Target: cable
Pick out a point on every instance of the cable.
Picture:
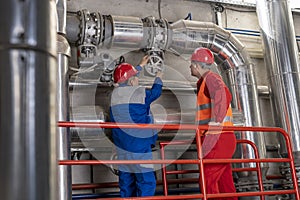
(159, 13)
(240, 33)
(242, 30)
(85, 70)
(188, 17)
(238, 10)
(249, 32)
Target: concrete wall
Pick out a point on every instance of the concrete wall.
(172, 10)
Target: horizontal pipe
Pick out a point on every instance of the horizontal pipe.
(85, 186)
(188, 190)
(168, 126)
(182, 171)
(197, 171)
(272, 177)
(244, 169)
(115, 184)
(95, 196)
(169, 161)
(200, 196)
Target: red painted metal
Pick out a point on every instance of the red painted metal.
(272, 177)
(165, 172)
(200, 161)
(182, 171)
(258, 168)
(185, 161)
(83, 186)
(198, 196)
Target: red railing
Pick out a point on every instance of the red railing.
(200, 161)
(165, 172)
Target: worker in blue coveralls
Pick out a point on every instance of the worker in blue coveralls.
(130, 103)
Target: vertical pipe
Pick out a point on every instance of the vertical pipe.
(234, 62)
(276, 23)
(62, 114)
(62, 100)
(27, 100)
(61, 7)
(246, 100)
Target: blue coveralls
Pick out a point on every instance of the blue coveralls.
(131, 104)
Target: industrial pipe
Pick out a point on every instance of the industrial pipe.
(180, 37)
(62, 112)
(64, 182)
(282, 61)
(237, 72)
(27, 100)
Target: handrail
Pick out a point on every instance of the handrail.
(257, 166)
(162, 154)
(182, 142)
(200, 161)
(84, 186)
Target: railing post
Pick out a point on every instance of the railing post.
(202, 185)
(164, 172)
(292, 164)
(200, 161)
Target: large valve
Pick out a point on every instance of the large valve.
(156, 62)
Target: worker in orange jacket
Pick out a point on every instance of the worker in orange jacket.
(213, 108)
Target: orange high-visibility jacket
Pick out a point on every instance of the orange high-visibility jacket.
(205, 107)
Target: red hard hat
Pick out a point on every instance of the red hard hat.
(203, 55)
(123, 72)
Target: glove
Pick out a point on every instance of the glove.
(214, 130)
(214, 124)
(159, 74)
(144, 61)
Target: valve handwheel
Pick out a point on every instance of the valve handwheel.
(155, 63)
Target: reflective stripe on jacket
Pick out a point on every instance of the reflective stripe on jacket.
(205, 107)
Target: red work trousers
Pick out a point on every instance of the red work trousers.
(218, 177)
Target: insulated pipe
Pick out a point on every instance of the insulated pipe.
(64, 179)
(72, 28)
(63, 113)
(61, 7)
(181, 37)
(282, 61)
(127, 32)
(109, 31)
(233, 61)
(27, 100)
